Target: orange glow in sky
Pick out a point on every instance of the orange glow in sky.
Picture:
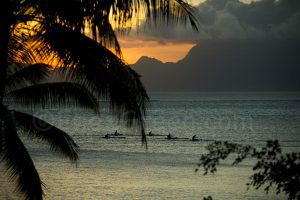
(167, 52)
(133, 48)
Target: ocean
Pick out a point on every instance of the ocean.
(121, 168)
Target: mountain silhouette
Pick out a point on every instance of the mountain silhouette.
(227, 65)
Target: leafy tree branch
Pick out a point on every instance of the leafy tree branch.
(273, 168)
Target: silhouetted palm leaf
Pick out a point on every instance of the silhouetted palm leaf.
(24, 75)
(95, 15)
(62, 93)
(59, 32)
(18, 46)
(101, 71)
(170, 11)
(18, 161)
(58, 140)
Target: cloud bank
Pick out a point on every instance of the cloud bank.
(265, 18)
(232, 19)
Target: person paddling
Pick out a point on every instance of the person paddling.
(194, 138)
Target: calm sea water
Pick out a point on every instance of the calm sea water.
(124, 169)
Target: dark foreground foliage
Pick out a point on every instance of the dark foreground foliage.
(274, 169)
(77, 36)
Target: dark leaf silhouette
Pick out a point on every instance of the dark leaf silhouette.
(63, 93)
(58, 140)
(74, 35)
(20, 75)
(273, 168)
(17, 159)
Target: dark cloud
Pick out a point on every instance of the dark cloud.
(263, 14)
(265, 18)
(232, 19)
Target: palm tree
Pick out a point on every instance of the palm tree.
(33, 32)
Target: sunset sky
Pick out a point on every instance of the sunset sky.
(163, 48)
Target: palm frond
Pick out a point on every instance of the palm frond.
(103, 32)
(185, 11)
(61, 93)
(124, 12)
(154, 11)
(62, 36)
(102, 71)
(97, 17)
(127, 95)
(17, 160)
(58, 140)
(18, 46)
(25, 11)
(66, 45)
(25, 75)
(67, 12)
